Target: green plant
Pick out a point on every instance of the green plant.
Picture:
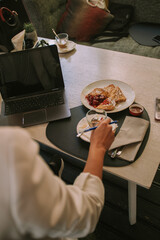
(28, 27)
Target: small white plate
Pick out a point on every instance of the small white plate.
(83, 124)
(126, 89)
(70, 46)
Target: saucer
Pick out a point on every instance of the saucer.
(70, 46)
(83, 124)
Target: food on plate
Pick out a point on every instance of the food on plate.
(108, 104)
(109, 88)
(97, 96)
(106, 98)
(117, 95)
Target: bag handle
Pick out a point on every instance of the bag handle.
(8, 16)
(92, 4)
(98, 3)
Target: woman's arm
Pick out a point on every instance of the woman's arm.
(101, 139)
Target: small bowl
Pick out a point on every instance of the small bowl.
(136, 109)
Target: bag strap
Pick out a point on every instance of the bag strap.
(115, 37)
(3, 49)
(9, 17)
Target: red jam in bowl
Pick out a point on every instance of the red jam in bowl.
(136, 109)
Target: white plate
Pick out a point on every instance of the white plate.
(83, 124)
(70, 46)
(126, 89)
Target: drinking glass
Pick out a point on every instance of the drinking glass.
(94, 117)
(62, 39)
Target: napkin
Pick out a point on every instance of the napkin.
(130, 137)
(18, 40)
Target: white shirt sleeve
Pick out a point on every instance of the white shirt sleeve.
(41, 203)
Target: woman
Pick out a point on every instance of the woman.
(35, 203)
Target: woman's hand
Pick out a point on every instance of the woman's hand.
(103, 136)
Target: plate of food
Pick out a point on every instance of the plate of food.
(109, 95)
(83, 124)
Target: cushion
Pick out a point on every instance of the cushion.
(82, 21)
(45, 15)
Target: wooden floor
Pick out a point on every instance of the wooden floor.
(113, 223)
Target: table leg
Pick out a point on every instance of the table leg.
(132, 202)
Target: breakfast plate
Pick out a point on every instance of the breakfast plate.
(83, 124)
(126, 89)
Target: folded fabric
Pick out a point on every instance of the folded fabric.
(130, 137)
(18, 40)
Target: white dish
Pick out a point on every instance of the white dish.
(126, 89)
(83, 124)
(70, 46)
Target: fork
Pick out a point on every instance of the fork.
(117, 152)
(85, 130)
(92, 128)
